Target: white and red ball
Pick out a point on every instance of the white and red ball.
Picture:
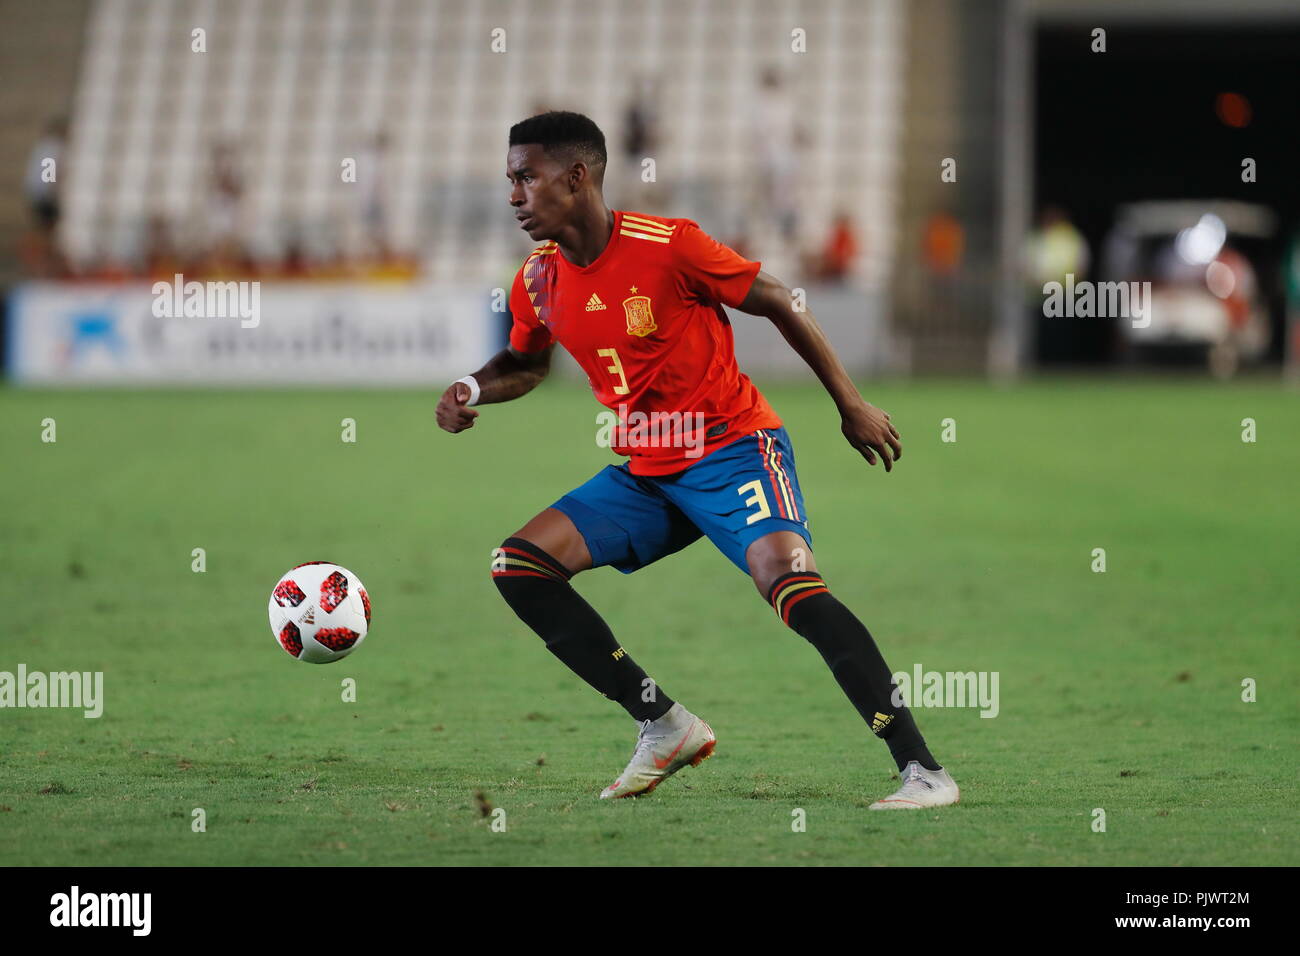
(320, 612)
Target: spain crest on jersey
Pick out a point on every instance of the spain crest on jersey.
(640, 320)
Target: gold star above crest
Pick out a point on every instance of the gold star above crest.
(633, 288)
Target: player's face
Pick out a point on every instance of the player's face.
(540, 191)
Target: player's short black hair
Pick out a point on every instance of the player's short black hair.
(567, 136)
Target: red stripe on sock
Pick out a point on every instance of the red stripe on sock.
(516, 574)
(789, 605)
(529, 556)
(783, 583)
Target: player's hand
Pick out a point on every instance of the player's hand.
(453, 414)
(868, 430)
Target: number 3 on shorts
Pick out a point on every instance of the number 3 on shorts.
(757, 498)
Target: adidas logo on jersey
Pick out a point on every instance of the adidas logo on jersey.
(594, 304)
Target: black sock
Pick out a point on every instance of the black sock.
(804, 604)
(537, 588)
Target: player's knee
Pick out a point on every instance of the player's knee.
(763, 574)
(774, 556)
(763, 578)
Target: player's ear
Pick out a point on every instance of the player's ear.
(578, 174)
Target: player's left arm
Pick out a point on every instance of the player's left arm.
(866, 427)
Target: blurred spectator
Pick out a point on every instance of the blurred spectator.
(834, 261)
(641, 121)
(1232, 278)
(162, 260)
(1056, 249)
(943, 244)
(225, 199)
(640, 141)
(776, 137)
(42, 182)
(372, 180)
(296, 263)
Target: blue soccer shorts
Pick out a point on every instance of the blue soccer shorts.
(734, 496)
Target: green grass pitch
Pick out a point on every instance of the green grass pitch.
(1119, 690)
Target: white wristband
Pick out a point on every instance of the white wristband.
(474, 392)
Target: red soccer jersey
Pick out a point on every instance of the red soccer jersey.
(645, 322)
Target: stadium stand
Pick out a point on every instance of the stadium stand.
(286, 91)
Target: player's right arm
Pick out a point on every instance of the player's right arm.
(508, 375)
(514, 371)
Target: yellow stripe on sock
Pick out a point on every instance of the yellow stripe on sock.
(790, 589)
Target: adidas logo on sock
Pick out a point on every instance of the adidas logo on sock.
(594, 304)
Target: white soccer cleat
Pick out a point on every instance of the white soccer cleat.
(921, 788)
(664, 746)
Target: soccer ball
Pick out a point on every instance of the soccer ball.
(319, 612)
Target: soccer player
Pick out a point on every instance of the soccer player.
(637, 301)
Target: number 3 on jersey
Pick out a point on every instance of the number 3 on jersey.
(757, 498)
(615, 368)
